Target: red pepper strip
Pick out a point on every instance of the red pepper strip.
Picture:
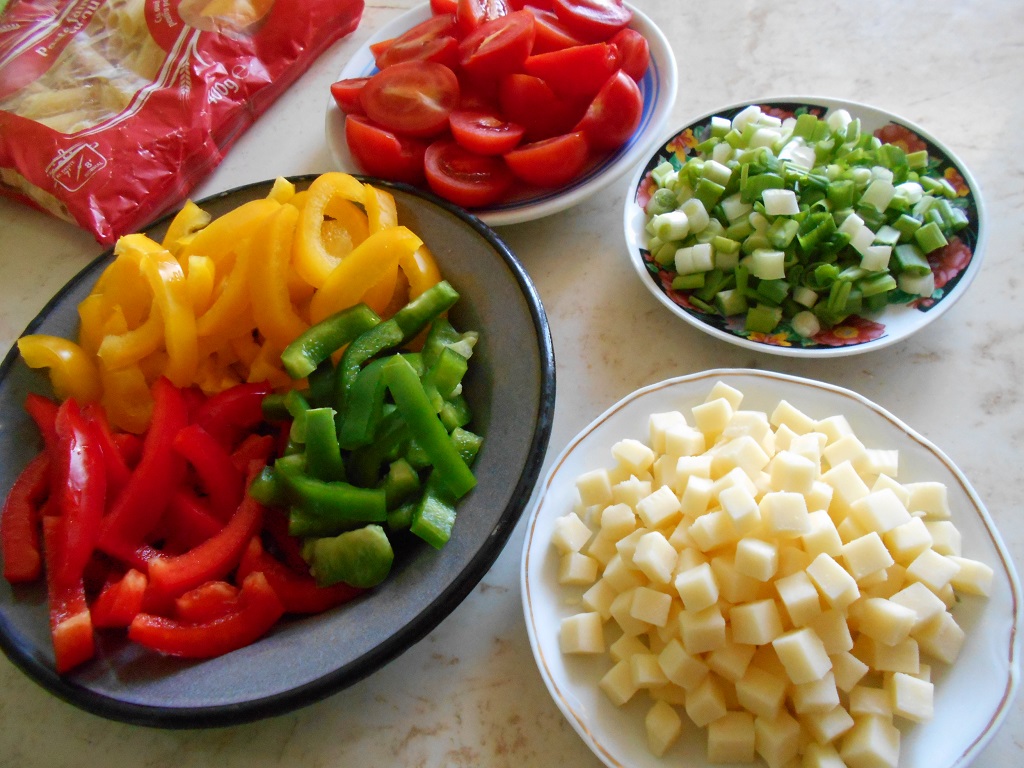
(238, 407)
(130, 447)
(117, 468)
(213, 559)
(132, 555)
(188, 521)
(298, 593)
(259, 609)
(43, 412)
(252, 448)
(218, 476)
(206, 602)
(82, 497)
(20, 520)
(275, 523)
(120, 600)
(139, 507)
(70, 620)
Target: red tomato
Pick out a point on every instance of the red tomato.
(470, 14)
(550, 162)
(634, 52)
(435, 39)
(593, 20)
(441, 7)
(484, 133)
(497, 47)
(463, 177)
(531, 102)
(413, 98)
(614, 113)
(380, 152)
(518, 5)
(551, 34)
(577, 71)
(346, 94)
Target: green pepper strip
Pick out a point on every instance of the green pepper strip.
(332, 500)
(414, 405)
(364, 407)
(323, 454)
(320, 341)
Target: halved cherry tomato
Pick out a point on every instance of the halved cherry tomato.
(470, 14)
(413, 98)
(346, 94)
(435, 39)
(498, 46)
(379, 152)
(484, 132)
(614, 113)
(593, 20)
(577, 71)
(531, 103)
(550, 162)
(634, 52)
(518, 5)
(463, 177)
(551, 33)
(440, 7)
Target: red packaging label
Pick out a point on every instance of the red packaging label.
(112, 110)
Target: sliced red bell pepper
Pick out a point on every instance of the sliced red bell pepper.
(70, 619)
(299, 593)
(275, 523)
(227, 414)
(130, 447)
(120, 600)
(43, 412)
(138, 508)
(218, 476)
(118, 470)
(20, 521)
(259, 608)
(213, 559)
(206, 602)
(82, 497)
(252, 448)
(188, 521)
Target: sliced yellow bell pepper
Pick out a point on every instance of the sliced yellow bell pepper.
(128, 348)
(381, 211)
(282, 190)
(220, 237)
(361, 270)
(231, 305)
(272, 306)
(170, 292)
(72, 371)
(186, 223)
(200, 275)
(127, 399)
(311, 258)
(420, 270)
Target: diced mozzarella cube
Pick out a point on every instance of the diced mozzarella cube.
(911, 697)
(731, 738)
(872, 742)
(634, 456)
(631, 490)
(626, 646)
(645, 670)
(833, 628)
(655, 557)
(570, 534)
(833, 581)
(822, 536)
(617, 521)
(755, 623)
(946, 538)
(908, 540)
(799, 597)
(880, 511)
(702, 631)
(617, 683)
(802, 654)
(684, 440)
(866, 555)
(697, 587)
(792, 472)
(663, 726)
(818, 755)
(712, 417)
(582, 633)
(784, 514)
(762, 692)
(777, 739)
(576, 568)
(757, 558)
(868, 700)
(929, 498)
(594, 487)
(682, 668)
(848, 670)
(706, 702)
(658, 424)
(885, 621)
(660, 508)
(932, 569)
(921, 600)
(819, 695)
(730, 661)
(696, 495)
(940, 637)
(651, 606)
(973, 577)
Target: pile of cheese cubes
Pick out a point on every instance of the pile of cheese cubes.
(769, 577)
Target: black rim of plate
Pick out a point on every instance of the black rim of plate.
(429, 617)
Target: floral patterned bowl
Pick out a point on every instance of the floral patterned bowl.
(954, 266)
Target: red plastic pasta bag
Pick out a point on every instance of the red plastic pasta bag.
(112, 110)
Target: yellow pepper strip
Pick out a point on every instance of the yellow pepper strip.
(381, 211)
(230, 308)
(122, 285)
(92, 316)
(72, 371)
(200, 277)
(123, 349)
(349, 217)
(420, 270)
(186, 222)
(127, 399)
(170, 292)
(380, 295)
(282, 190)
(222, 234)
(272, 307)
(267, 367)
(299, 199)
(312, 260)
(361, 270)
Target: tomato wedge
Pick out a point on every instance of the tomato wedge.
(614, 113)
(346, 94)
(463, 177)
(484, 132)
(634, 52)
(551, 33)
(436, 39)
(550, 162)
(440, 7)
(380, 152)
(577, 71)
(413, 98)
(593, 20)
(530, 102)
(470, 14)
(497, 47)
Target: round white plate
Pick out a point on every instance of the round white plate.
(857, 334)
(972, 696)
(658, 89)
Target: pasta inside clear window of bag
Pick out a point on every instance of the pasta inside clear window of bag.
(112, 110)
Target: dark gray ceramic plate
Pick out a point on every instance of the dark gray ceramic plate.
(511, 388)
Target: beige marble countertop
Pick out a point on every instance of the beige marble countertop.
(469, 693)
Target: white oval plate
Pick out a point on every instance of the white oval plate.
(972, 696)
(858, 334)
(658, 89)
